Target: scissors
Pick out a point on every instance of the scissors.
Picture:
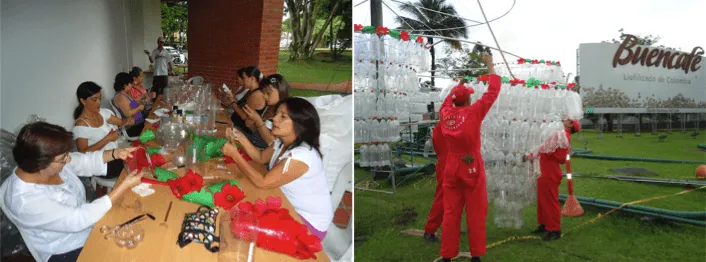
(109, 231)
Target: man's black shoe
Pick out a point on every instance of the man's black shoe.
(540, 229)
(552, 235)
(431, 237)
(475, 259)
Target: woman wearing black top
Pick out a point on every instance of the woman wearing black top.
(250, 78)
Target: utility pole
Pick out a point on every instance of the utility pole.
(376, 13)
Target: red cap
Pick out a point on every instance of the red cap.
(577, 125)
(460, 93)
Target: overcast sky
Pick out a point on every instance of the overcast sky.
(553, 29)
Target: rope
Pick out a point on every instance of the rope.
(520, 238)
(495, 39)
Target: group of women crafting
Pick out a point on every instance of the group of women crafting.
(45, 198)
(461, 180)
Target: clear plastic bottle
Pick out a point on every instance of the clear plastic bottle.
(364, 155)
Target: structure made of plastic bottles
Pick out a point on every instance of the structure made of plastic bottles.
(526, 120)
(387, 93)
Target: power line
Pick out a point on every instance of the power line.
(454, 28)
(360, 3)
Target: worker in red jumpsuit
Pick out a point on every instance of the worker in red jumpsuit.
(464, 174)
(548, 207)
(437, 207)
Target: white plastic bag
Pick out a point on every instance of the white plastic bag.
(336, 139)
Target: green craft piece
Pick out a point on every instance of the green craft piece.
(468, 78)
(505, 79)
(368, 30)
(541, 61)
(154, 150)
(189, 112)
(215, 188)
(394, 34)
(474, 79)
(553, 62)
(147, 136)
(213, 149)
(561, 86)
(202, 197)
(164, 175)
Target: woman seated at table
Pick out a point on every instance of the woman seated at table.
(95, 128)
(45, 197)
(126, 105)
(250, 78)
(295, 160)
(138, 92)
(276, 89)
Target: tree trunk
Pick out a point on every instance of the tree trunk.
(433, 57)
(332, 46)
(317, 38)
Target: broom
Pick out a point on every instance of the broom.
(572, 207)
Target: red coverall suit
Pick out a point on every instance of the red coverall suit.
(548, 207)
(464, 177)
(437, 207)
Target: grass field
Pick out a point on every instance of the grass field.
(319, 70)
(617, 237)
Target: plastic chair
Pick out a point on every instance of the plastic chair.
(104, 182)
(23, 233)
(196, 80)
(338, 243)
(122, 130)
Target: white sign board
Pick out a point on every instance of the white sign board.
(629, 76)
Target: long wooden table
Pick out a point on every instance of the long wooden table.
(160, 239)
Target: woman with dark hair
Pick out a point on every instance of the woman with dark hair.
(295, 162)
(95, 127)
(276, 89)
(128, 107)
(138, 92)
(250, 77)
(45, 197)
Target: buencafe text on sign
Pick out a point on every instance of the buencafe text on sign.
(630, 52)
(628, 75)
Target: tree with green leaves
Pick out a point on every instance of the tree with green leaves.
(457, 59)
(175, 19)
(433, 23)
(303, 16)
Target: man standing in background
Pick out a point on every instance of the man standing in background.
(162, 65)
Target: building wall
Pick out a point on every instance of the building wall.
(225, 35)
(50, 47)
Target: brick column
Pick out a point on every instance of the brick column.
(225, 35)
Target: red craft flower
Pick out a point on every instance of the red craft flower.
(157, 160)
(193, 181)
(228, 160)
(381, 30)
(483, 78)
(229, 196)
(549, 63)
(404, 36)
(178, 187)
(136, 143)
(535, 61)
(155, 125)
(420, 39)
(138, 160)
(545, 86)
(521, 61)
(558, 63)
(358, 27)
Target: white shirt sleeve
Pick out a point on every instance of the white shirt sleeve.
(305, 154)
(88, 164)
(44, 213)
(80, 132)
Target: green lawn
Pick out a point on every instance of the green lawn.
(618, 237)
(310, 93)
(320, 70)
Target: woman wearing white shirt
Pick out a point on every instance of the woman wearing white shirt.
(45, 197)
(95, 127)
(295, 161)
